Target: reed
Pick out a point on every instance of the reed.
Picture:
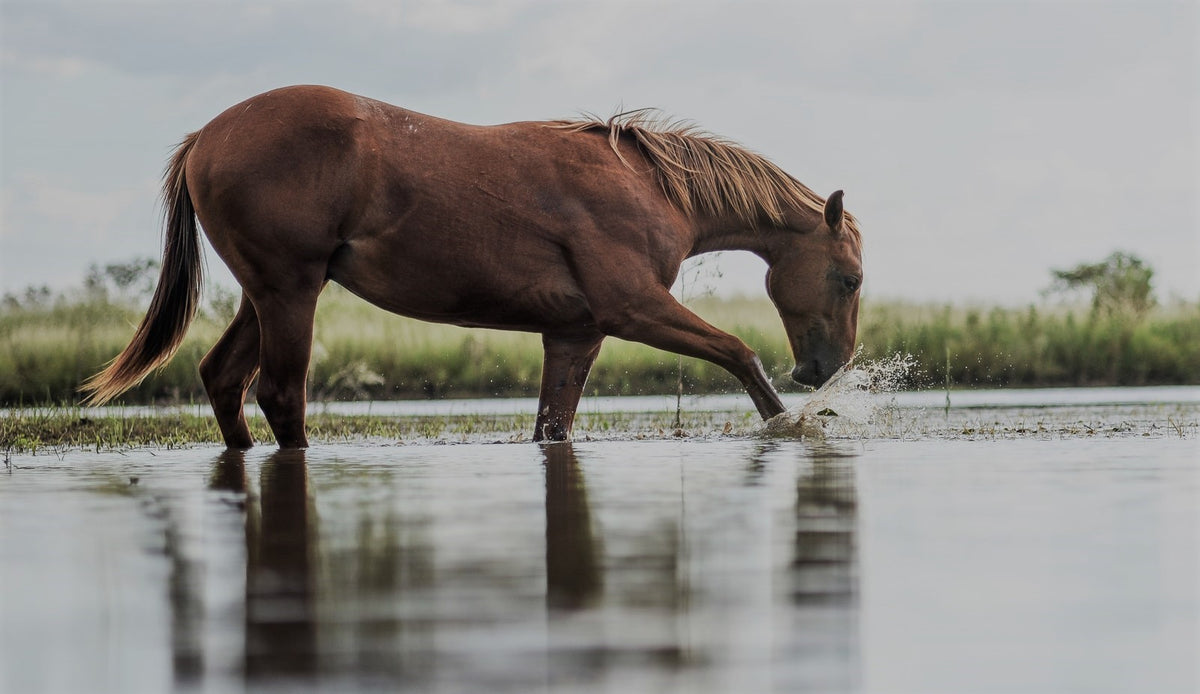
(1056, 346)
(48, 348)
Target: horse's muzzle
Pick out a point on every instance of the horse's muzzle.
(812, 373)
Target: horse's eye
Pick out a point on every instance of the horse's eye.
(850, 284)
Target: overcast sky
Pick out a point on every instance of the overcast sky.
(980, 143)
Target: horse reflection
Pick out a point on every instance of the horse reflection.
(191, 616)
(573, 578)
(229, 472)
(822, 579)
(826, 524)
(281, 531)
(281, 631)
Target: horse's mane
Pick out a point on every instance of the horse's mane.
(702, 172)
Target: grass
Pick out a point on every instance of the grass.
(997, 347)
(55, 429)
(48, 348)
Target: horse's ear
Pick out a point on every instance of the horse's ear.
(833, 210)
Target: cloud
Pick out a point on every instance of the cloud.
(442, 16)
(92, 210)
(49, 232)
(969, 128)
(201, 41)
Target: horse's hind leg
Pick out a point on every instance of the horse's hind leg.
(227, 371)
(286, 322)
(565, 370)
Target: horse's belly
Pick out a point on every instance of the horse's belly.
(532, 311)
(509, 295)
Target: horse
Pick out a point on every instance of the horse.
(574, 229)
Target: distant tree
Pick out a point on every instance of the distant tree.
(1119, 284)
(33, 297)
(95, 285)
(137, 276)
(133, 280)
(222, 303)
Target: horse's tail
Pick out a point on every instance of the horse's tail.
(176, 297)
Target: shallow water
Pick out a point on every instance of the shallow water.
(915, 399)
(1046, 561)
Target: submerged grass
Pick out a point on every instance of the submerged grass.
(53, 429)
(360, 352)
(58, 430)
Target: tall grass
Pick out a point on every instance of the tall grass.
(48, 349)
(1058, 346)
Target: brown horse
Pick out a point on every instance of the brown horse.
(572, 229)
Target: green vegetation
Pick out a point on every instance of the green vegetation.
(1120, 284)
(51, 429)
(50, 343)
(992, 347)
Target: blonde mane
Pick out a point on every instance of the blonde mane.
(705, 173)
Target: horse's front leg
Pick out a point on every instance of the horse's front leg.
(658, 320)
(565, 370)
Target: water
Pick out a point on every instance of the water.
(1031, 547)
(930, 399)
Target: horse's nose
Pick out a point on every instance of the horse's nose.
(810, 373)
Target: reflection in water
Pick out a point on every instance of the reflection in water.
(826, 505)
(281, 534)
(572, 552)
(277, 600)
(662, 566)
(185, 593)
(229, 472)
(191, 565)
(376, 569)
(822, 580)
(409, 577)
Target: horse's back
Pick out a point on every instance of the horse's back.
(427, 217)
(315, 140)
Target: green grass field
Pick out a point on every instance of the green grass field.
(47, 348)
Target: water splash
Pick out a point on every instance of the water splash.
(858, 399)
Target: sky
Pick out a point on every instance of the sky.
(981, 144)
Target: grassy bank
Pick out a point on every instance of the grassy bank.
(47, 348)
(1031, 347)
(54, 429)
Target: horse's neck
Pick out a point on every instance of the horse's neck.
(727, 235)
(747, 240)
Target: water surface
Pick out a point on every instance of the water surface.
(1031, 564)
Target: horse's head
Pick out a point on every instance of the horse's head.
(814, 281)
